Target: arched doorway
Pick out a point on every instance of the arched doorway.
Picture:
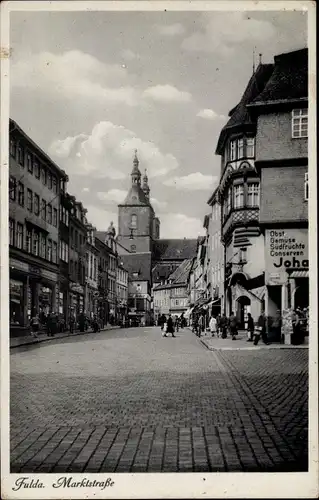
(301, 294)
(243, 308)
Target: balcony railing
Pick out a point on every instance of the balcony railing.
(240, 216)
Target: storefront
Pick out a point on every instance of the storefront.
(76, 299)
(287, 271)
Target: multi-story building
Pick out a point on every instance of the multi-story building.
(108, 238)
(64, 251)
(77, 257)
(92, 275)
(34, 198)
(281, 113)
(239, 194)
(215, 252)
(121, 291)
(171, 297)
(103, 262)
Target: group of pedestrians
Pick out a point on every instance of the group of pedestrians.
(169, 325)
(221, 326)
(52, 324)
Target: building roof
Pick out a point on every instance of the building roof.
(179, 277)
(289, 79)
(239, 115)
(135, 196)
(138, 263)
(171, 249)
(162, 270)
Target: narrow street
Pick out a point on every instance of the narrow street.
(133, 401)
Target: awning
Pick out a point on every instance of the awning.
(241, 291)
(299, 274)
(259, 292)
(188, 312)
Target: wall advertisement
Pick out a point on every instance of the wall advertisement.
(284, 249)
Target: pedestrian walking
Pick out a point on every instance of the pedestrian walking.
(200, 325)
(218, 317)
(35, 325)
(170, 325)
(250, 328)
(213, 326)
(233, 326)
(72, 323)
(277, 326)
(162, 321)
(261, 330)
(182, 320)
(223, 326)
(176, 323)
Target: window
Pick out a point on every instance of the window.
(36, 204)
(91, 266)
(21, 194)
(49, 180)
(44, 209)
(250, 147)
(253, 194)
(43, 246)
(36, 169)
(135, 275)
(232, 147)
(29, 241)
(299, 123)
(306, 187)
(13, 148)
(29, 200)
(55, 217)
(62, 185)
(227, 202)
(21, 156)
(239, 196)
(240, 148)
(49, 214)
(12, 188)
(243, 255)
(133, 248)
(134, 221)
(54, 184)
(54, 252)
(11, 231)
(64, 251)
(35, 249)
(29, 163)
(43, 175)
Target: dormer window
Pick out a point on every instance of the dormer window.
(232, 150)
(135, 275)
(240, 148)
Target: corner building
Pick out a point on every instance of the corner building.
(239, 197)
(281, 113)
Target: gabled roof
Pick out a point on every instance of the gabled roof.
(179, 249)
(179, 277)
(162, 271)
(138, 263)
(289, 79)
(135, 196)
(239, 115)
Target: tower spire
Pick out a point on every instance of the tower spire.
(145, 186)
(136, 174)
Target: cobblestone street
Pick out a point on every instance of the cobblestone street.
(133, 401)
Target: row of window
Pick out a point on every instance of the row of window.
(216, 240)
(32, 241)
(243, 147)
(216, 212)
(33, 165)
(217, 274)
(299, 123)
(236, 197)
(17, 192)
(92, 266)
(77, 271)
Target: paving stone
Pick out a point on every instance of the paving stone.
(133, 401)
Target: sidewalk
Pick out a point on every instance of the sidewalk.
(43, 337)
(219, 344)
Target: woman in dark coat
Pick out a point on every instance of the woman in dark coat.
(170, 325)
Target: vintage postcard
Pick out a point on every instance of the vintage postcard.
(159, 334)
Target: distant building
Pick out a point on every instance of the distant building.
(34, 200)
(215, 253)
(171, 297)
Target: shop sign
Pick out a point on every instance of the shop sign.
(76, 288)
(284, 249)
(49, 275)
(16, 264)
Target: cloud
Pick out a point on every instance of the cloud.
(167, 93)
(108, 152)
(159, 205)
(129, 55)
(176, 225)
(74, 74)
(113, 195)
(100, 218)
(86, 190)
(209, 114)
(170, 29)
(223, 31)
(192, 182)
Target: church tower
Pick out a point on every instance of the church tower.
(136, 215)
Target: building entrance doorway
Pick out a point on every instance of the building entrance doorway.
(243, 308)
(301, 295)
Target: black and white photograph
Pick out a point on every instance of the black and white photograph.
(158, 278)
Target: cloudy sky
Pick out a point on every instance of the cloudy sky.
(90, 87)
